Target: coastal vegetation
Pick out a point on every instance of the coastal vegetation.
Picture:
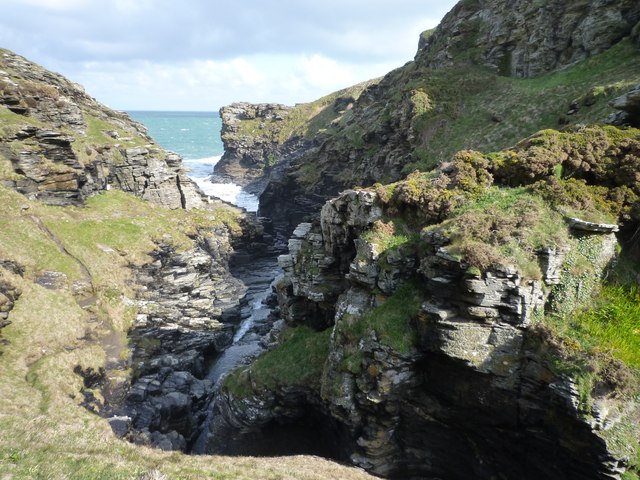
(472, 284)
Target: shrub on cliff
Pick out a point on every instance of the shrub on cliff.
(504, 226)
(426, 196)
(601, 155)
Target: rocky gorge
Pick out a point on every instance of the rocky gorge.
(430, 310)
(460, 262)
(140, 278)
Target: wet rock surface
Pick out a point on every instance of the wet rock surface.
(185, 303)
(255, 334)
(190, 329)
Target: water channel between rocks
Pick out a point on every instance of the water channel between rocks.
(258, 274)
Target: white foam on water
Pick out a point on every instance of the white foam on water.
(229, 192)
(205, 161)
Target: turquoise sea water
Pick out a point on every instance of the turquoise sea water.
(195, 136)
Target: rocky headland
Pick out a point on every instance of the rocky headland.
(435, 319)
(459, 296)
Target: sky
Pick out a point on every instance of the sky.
(198, 55)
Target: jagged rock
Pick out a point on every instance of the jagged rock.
(172, 401)
(473, 386)
(564, 33)
(183, 301)
(344, 217)
(120, 425)
(246, 156)
(188, 307)
(183, 304)
(57, 172)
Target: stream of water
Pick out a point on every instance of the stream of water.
(196, 137)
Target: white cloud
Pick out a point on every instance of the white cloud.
(61, 5)
(209, 84)
(199, 54)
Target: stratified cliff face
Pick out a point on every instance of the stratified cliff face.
(433, 300)
(60, 146)
(251, 135)
(527, 39)
(167, 270)
(433, 312)
(466, 88)
(469, 394)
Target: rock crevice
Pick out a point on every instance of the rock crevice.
(471, 385)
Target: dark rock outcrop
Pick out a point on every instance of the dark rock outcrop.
(474, 385)
(252, 138)
(186, 303)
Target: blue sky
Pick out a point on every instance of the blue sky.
(202, 54)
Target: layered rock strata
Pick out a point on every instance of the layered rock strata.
(503, 35)
(472, 396)
(189, 305)
(64, 146)
(251, 134)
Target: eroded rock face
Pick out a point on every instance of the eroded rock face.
(320, 256)
(157, 176)
(526, 39)
(69, 146)
(472, 397)
(251, 138)
(185, 304)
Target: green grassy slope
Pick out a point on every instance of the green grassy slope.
(45, 432)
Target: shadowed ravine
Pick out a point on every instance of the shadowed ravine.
(255, 321)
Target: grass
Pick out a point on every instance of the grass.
(297, 361)
(473, 108)
(385, 236)
(303, 120)
(45, 432)
(391, 321)
(611, 324)
(85, 145)
(599, 347)
(504, 226)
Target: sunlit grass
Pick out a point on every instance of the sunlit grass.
(45, 433)
(611, 324)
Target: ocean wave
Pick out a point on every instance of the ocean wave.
(229, 192)
(206, 160)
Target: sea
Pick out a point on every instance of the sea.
(195, 136)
